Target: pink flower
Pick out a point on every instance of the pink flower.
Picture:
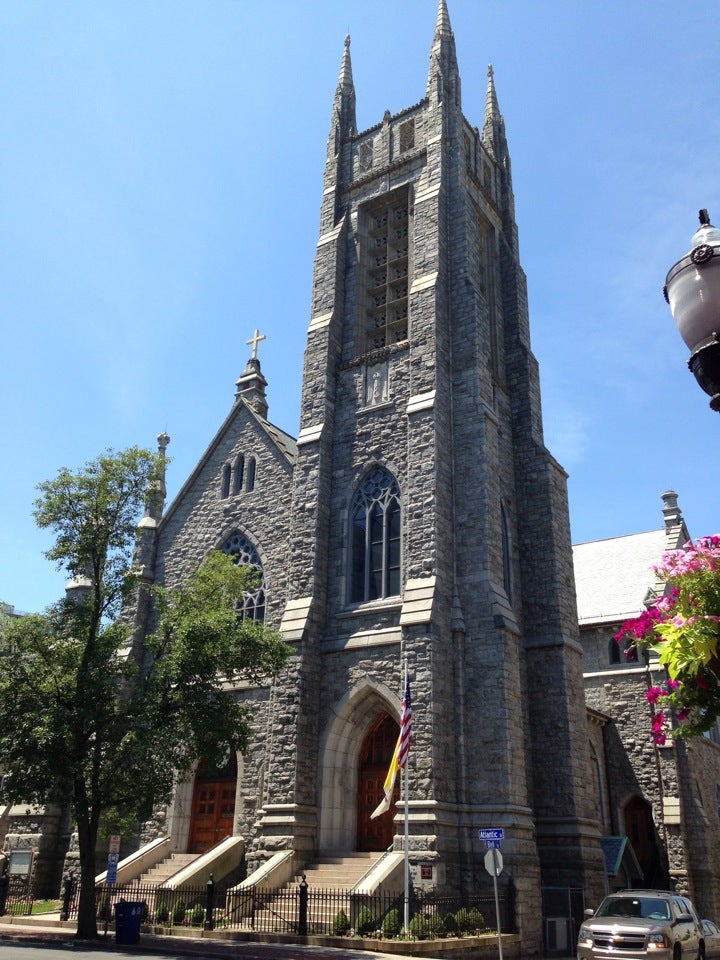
(653, 694)
(658, 728)
(658, 720)
(683, 714)
(701, 683)
(673, 684)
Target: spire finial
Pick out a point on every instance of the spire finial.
(442, 24)
(253, 342)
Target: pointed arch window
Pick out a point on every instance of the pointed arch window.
(250, 477)
(253, 601)
(375, 531)
(622, 651)
(225, 484)
(238, 473)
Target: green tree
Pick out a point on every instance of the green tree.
(90, 712)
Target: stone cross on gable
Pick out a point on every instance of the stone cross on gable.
(254, 341)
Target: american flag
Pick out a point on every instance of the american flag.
(405, 728)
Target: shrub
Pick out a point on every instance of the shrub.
(391, 925)
(103, 909)
(197, 917)
(365, 922)
(427, 926)
(179, 911)
(419, 927)
(162, 914)
(451, 925)
(435, 926)
(468, 921)
(341, 924)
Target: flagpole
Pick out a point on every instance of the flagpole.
(407, 832)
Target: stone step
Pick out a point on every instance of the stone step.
(337, 871)
(167, 868)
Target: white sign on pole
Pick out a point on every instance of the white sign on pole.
(494, 862)
(494, 866)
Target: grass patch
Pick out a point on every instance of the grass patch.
(45, 906)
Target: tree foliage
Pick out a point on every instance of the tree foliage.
(94, 714)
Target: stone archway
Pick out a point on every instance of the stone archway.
(353, 719)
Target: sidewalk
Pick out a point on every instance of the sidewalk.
(46, 930)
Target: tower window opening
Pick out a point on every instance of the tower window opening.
(386, 229)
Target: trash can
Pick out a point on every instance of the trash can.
(127, 921)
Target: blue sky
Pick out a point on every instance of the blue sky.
(161, 173)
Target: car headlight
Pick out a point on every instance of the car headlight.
(585, 938)
(657, 941)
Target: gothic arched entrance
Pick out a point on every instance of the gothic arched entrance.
(213, 804)
(640, 830)
(375, 756)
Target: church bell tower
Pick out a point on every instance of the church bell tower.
(429, 522)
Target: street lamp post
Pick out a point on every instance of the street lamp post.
(692, 288)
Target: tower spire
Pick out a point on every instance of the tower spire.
(344, 105)
(443, 75)
(493, 138)
(492, 109)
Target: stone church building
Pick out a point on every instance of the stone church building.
(418, 518)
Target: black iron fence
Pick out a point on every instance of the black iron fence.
(16, 895)
(299, 909)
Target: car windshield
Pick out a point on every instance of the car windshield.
(646, 908)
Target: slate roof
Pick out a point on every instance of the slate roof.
(612, 577)
(618, 852)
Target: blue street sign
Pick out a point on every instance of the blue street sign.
(495, 833)
(492, 844)
(112, 866)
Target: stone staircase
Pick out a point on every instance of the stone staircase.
(158, 875)
(336, 871)
(333, 875)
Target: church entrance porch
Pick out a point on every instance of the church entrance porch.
(213, 805)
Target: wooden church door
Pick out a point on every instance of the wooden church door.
(213, 807)
(375, 757)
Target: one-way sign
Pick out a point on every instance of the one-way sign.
(495, 833)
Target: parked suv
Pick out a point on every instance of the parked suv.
(632, 924)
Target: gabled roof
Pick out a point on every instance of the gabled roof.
(284, 444)
(612, 577)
